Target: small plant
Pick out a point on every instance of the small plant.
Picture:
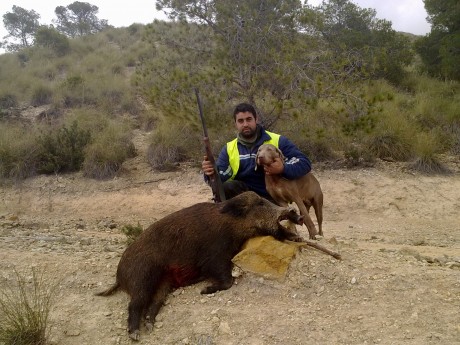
(426, 160)
(131, 232)
(25, 304)
(356, 156)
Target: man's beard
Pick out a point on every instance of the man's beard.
(249, 135)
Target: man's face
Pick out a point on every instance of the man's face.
(246, 124)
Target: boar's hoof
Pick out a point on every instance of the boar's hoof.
(298, 239)
(149, 325)
(135, 335)
(223, 285)
(208, 290)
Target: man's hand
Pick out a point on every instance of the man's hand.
(275, 168)
(207, 167)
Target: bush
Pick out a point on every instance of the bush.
(52, 39)
(19, 154)
(8, 100)
(390, 145)
(426, 160)
(314, 133)
(172, 143)
(63, 150)
(25, 305)
(41, 95)
(104, 157)
(165, 158)
(318, 150)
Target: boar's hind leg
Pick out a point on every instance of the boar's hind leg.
(220, 273)
(158, 300)
(135, 308)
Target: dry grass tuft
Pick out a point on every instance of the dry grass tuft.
(25, 305)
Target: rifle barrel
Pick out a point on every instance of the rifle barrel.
(200, 108)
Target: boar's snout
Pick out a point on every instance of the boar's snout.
(291, 215)
(294, 217)
(288, 228)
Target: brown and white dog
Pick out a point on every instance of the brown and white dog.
(304, 191)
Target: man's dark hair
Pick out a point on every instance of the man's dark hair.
(243, 108)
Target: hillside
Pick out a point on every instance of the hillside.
(398, 282)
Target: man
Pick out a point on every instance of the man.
(236, 162)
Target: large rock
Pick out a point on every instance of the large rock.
(266, 256)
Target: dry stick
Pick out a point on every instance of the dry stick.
(322, 248)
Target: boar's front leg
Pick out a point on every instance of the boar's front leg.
(220, 274)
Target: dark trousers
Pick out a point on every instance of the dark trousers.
(233, 187)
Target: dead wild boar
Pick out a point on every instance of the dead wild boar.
(191, 245)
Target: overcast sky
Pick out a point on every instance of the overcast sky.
(406, 15)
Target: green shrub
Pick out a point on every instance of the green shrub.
(363, 124)
(108, 151)
(131, 232)
(25, 305)
(426, 160)
(314, 132)
(88, 119)
(74, 82)
(52, 39)
(63, 150)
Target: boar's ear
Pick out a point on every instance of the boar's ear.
(238, 206)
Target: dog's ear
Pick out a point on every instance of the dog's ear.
(257, 159)
(280, 154)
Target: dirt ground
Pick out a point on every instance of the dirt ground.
(398, 283)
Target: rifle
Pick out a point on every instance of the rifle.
(214, 180)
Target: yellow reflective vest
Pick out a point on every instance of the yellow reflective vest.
(234, 154)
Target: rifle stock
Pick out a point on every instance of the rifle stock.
(214, 180)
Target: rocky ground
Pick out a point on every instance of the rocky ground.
(398, 283)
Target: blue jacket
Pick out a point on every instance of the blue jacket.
(296, 164)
